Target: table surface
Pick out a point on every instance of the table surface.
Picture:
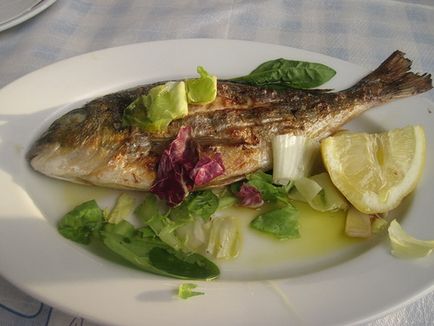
(362, 32)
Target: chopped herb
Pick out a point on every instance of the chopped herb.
(185, 291)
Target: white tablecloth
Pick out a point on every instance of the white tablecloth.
(362, 32)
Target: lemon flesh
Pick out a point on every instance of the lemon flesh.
(375, 171)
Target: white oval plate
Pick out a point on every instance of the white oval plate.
(15, 12)
(36, 258)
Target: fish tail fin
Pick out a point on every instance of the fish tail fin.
(393, 79)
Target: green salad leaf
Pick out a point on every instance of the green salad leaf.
(149, 213)
(167, 102)
(283, 73)
(282, 223)
(154, 111)
(270, 192)
(79, 224)
(203, 204)
(226, 199)
(201, 90)
(123, 207)
(150, 253)
(198, 204)
(164, 103)
(123, 228)
(152, 248)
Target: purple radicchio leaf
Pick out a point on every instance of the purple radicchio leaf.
(173, 187)
(206, 169)
(180, 169)
(250, 196)
(176, 162)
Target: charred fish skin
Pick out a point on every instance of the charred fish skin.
(89, 145)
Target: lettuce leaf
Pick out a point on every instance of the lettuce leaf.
(226, 199)
(281, 223)
(271, 193)
(152, 248)
(123, 207)
(149, 213)
(154, 111)
(80, 223)
(200, 204)
(201, 90)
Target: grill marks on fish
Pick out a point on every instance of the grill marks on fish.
(89, 144)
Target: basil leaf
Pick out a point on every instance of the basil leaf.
(283, 73)
(79, 224)
(282, 223)
(153, 255)
(178, 264)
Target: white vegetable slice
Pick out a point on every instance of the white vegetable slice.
(330, 199)
(319, 192)
(293, 157)
(225, 238)
(379, 224)
(405, 246)
(358, 224)
(308, 188)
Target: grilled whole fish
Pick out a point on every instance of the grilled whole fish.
(89, 145)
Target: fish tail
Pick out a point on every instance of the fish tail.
(393, 79)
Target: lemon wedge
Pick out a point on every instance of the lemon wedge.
(375, 171)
